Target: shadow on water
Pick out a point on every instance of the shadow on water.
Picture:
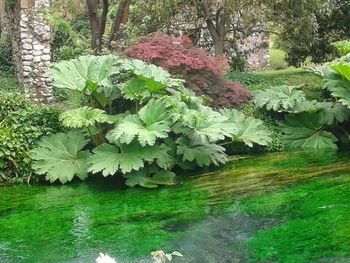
(281, 207)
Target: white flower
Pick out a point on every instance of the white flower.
(104, 258)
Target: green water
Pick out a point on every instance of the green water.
(287, 207)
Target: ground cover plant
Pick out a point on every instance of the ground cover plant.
(140, 123)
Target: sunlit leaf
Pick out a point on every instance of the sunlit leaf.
(60, 157)
(84, 117)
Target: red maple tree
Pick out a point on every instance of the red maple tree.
(202, 72)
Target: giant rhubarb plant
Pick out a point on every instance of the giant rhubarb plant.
(166, 125)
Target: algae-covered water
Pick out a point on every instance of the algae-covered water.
(286, 207)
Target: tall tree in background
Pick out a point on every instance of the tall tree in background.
(121, 18)
(307, 28)
(225, 16)
(220, 17)
(98, 22)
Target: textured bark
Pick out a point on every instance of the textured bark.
(121, 17)
(217, 25)
(94, 22)
(102, 24)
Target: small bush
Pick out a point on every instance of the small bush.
(202, 72)
(343, 47)
(21, 126)
(66, 43)
(6, 62)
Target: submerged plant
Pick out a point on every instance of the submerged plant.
(165, 125)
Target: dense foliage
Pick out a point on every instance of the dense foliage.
(69, 29)
(308, 28)
(203, 73)
(343, 47)
(164, 126)
(6, 63)
(309, 123)
(22, 124)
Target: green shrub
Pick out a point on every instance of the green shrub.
(21, 126)
(343, 47)
(6, 62)
(66, 43)
(238, 64)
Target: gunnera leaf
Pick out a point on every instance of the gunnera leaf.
(60, 157)
(334, 111)
(84, 73)
(202, 153)
(109, 159)
(338, 83)
(305, 130)
(135, 89)
(247, 129)
(150, 123)
(155, 78)
(279, 98)
(203, 124)
(83, 117)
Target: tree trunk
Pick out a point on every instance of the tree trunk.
(121, 17)
(219, 46)
(218, 35)
(94, 23)
(102, 26)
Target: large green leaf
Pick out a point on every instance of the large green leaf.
(338, 83)
(159, 153)
(280, 98)
(305, 130)
(343, 68)
(84, 117)
(204, 124)
(247, 129)
(333, 111)
(84, 73)
(155, 78)
(202, 153)
(145, 179)
(152, 122)
(135, 89)
(60, 157)
(109, 159)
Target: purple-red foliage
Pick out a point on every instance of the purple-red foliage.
(176, 54)
(202, 72)
(225, 94)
